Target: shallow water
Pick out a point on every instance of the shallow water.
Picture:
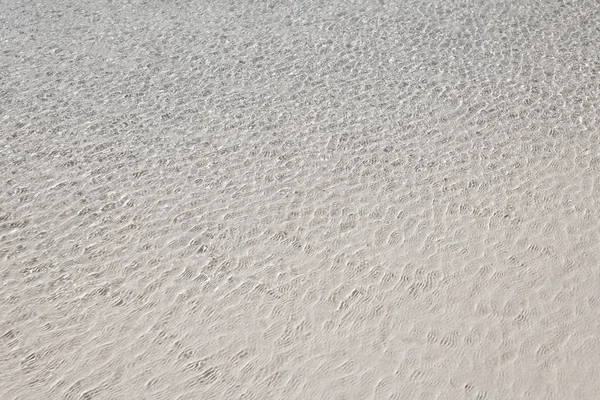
(336, 200)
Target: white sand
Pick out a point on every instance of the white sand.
(284, 200)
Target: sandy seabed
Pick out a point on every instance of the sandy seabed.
(299, 200)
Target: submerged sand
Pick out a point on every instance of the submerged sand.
(299, 200)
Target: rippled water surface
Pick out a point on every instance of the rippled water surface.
(299, 200)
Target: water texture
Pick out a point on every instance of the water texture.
(299, 200)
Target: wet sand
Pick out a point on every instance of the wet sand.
(299, 200)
